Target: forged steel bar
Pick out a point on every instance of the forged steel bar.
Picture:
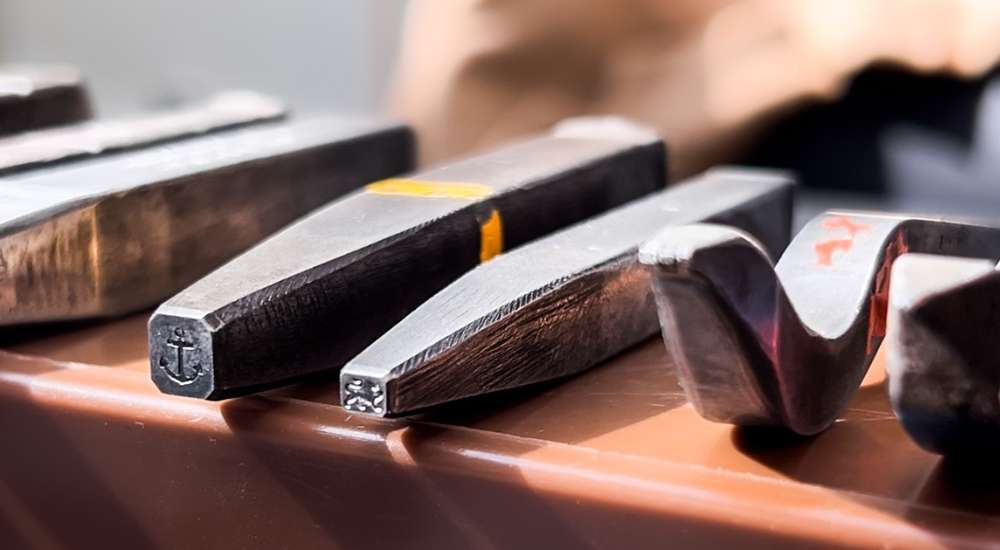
(36, 96)
(944, 338)
(108, 236)
(316, 294)
(222, 111)
(787, 345)
(554, 307)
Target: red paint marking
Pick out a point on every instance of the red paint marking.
(826, 247)
(879, 304)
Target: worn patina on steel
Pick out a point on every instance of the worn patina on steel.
(555, 307)
(787, 345)
(316, 294)
(36, 96)
(944, 343)
(87, 139)
(107, 236)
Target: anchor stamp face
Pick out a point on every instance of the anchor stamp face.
(174, 365)
(181, 356)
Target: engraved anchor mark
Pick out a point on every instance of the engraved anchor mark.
(180, 374)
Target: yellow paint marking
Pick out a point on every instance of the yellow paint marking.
(490, 237)
(429, 189)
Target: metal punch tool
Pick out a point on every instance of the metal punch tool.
(107, 236)
(554, 307)
(314, 295)
(944, 338)
(787, 345)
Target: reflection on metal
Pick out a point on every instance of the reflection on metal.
(787, 345)
(554, 307)
(36, 96)
(222, 111)
(107, 236)
(944, 342)
(316, 294)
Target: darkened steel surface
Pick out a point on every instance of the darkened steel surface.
(222, 111)
(554, 307)
(787, 345)
(106, 236)
(316, 294)
(944, 345)
(36, 96)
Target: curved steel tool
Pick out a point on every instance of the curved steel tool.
(99, 137)
(787, 345)
(554, 307)
(316, 294)
(108, 236)
(36, 96)
(944, 338)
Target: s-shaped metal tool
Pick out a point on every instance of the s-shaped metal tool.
(944, 339)
(787, 345)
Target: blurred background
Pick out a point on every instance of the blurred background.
(881, 103)
(139, 55)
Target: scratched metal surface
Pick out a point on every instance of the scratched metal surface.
(314, 295)
(221, 111)
(106, 236)
(513, 320)
(33, 196)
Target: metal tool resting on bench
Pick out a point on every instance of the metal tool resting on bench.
(36, 96)
(787, 345)
(100, 137)
(107, 236)
(944, 338)
(554, 307)
(316, 294)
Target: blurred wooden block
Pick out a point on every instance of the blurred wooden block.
(36, 96)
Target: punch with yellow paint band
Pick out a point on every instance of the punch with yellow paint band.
(432, 189)
(316, 294)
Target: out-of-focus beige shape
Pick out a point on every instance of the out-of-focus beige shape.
(706, 73)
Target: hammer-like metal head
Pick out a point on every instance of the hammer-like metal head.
(789, 345)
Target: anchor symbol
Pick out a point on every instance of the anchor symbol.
(180, 343)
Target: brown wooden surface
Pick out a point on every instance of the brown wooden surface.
(612, 458)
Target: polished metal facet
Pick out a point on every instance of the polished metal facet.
(314, 295)
(554, 307)
(107, 236)
(788, 345)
